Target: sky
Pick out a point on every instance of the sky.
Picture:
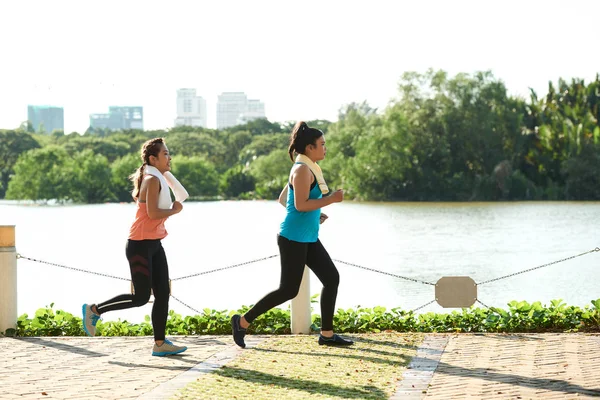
(304, 60)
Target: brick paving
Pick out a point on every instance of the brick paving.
(518, 366)
(97, 368)
(457, 366)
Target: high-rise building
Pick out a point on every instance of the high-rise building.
(46, 119)
(191, 109)
(255, 109)
(119, 118)
(234, 108)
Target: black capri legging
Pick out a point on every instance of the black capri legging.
(294, 256)
(149, 269)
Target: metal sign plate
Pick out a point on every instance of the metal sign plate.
(455, 292)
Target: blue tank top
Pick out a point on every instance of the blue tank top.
(301, 226)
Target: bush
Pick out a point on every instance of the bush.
(520, 317)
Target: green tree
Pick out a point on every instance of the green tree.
(133, 140)
(382, 166)
(270, 173)
(235, 143)
(26, 126)
(263, 145)
(236, 181)
(260, 126)
(191, 144)
(342, 139)
(563, 124)
(320, 124)
(582, 174)
(89, 175)
(39, 175)
(12, 145)
(57, 133)
(197, 175)
(469, 118)
(121, 169)
(107, 147)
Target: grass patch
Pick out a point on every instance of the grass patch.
(296, 367)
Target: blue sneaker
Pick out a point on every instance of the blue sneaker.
(237, 331)
(90, 319)
(167, 349)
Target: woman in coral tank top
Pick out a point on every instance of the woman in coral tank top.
(146, 256)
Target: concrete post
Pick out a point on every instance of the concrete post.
(8, 278)
(301, 306)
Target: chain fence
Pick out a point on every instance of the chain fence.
(597, 249)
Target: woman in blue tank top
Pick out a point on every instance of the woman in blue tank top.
(298, 238)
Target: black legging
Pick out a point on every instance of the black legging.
(294, 256)
(149, 269)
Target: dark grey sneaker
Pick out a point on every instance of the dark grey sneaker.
(237, 331)
(335, 340)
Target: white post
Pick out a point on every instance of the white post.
(8, 278)
(301, 306)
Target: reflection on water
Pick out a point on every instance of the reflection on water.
(424, 241)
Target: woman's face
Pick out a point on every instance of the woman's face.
(317, 151)
(162, 162)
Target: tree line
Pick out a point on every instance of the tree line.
(460, 138)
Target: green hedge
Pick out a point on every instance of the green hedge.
(519, 317)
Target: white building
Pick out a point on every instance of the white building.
(191, 109)
(234, 108)
(255, 109)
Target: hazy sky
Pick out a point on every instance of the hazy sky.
(303, 59)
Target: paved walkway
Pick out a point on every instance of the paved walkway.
(104, 367)
(524, 366)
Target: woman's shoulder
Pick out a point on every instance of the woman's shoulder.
(300, 167)
(150, 179)
(302, 172)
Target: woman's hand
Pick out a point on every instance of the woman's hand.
(323, 217)
(337, 196)
(177, 207)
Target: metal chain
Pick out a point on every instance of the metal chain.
(479, 301)
(187, 305)
(385, 273)
(224, 268)
(424, 305)
(541, 266)
(73, 269)
(597, 249)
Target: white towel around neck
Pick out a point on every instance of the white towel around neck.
(167, 180)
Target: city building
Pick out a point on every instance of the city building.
(46, 119)
(119, 118)
(234, 108)
(255, 109)
(191, 109)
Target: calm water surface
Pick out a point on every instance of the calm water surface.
(424, 241)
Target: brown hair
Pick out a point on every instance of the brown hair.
(149, 148)
(302, 135)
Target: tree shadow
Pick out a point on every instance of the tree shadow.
(403, 358)
(182, 368)
(510, 336)
(200, 340)
(556, 385)
(385, 343)
(62, 346)
(311, 387)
